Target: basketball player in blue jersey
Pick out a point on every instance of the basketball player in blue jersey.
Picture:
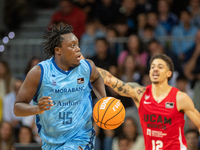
(60, 88)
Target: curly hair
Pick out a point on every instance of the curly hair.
(168, 61)
(53, 38)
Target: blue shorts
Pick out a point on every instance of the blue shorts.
(72, 145)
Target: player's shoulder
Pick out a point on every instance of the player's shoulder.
(181, 96)
(182, 100)
(34, 72)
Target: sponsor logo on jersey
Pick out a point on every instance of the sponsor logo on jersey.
(54, 82)
(69, 90)
(145, 102)
(69, 103)
(157, 121)
(169, 105)
(80, 80)
(146, 97)
(80, 148)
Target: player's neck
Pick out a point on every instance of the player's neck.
(160, 89)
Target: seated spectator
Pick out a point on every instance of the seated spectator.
(194, 9)
(111, 37)
(25, 136)
(142, 21)
(129, 130)
(8, 103)
(106, 11)
(166, 18)
(183, 84)
(87, 41)
(159, 30)
(129, 71)
(154, 47)
(6, 136)
(71, 14)
(190, 57)
(32, 62)
(123, 143)
(103, 138)
(183, 30)
(87, 6)
(148, 35)
(6, 79)
(104, 59)
(135, 49)
(192, 138)
(130, 10)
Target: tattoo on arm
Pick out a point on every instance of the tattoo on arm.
(141, 91)
(115, 84)
(134, 85)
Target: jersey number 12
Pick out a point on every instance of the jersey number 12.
(157, 145)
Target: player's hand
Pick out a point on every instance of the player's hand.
(44, 104)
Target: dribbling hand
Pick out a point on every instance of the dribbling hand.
(44, 104)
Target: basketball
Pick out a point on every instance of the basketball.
(109, 113)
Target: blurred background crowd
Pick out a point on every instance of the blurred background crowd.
(119, 36)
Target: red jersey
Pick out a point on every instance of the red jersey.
(162, 123)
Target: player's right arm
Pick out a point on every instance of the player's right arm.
(26, 94)
(130, 89)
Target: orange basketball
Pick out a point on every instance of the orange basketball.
(109, 113)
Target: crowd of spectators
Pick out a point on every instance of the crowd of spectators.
(149, 27)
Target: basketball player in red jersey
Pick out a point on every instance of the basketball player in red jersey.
(161, 107)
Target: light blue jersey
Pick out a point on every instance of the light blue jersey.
(68, 124)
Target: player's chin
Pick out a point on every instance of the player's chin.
(76, 64)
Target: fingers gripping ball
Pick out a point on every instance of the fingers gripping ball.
(109, 113)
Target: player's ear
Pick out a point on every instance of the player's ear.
(169, 74)
(57, 50)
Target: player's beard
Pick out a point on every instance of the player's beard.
(155, 82)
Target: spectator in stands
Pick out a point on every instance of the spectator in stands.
(87, 6)
(154, 47)
(87, 41)
(192, 59)
(6, 136)
(32, 62)
(129, 72)
(135, 49)
(104, 59)
(15, 12)
(194, 9)
(123, 143)
(192, 138)
(192, 71)
(6, 83)
(145, 79)
(142, 21)
(183, 30)
(111, 37)
(159, 30)
(148, 35)
(71, 14)
(130, 11)
(183, 84)
(8, 103)
(129, 130)
(106, 11)
(146, 6)
(25, 136)
(166, 18)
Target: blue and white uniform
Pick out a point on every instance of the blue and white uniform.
(68, 124)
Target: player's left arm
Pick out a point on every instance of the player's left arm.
(97, 81)
(185, 104)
